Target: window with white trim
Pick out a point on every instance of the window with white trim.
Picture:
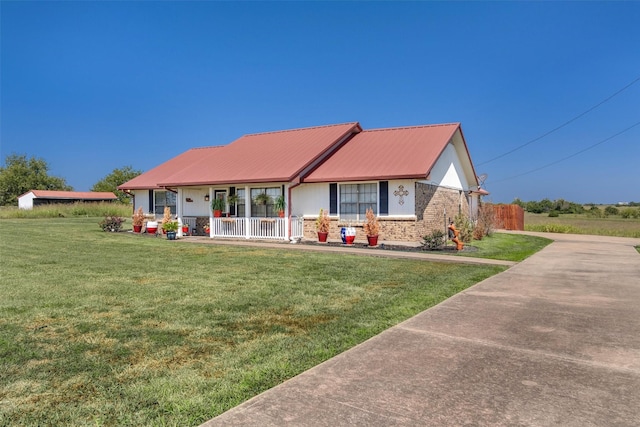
(162, 199)
(267, 210)
(355, 199)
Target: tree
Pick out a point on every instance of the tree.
(19, 175)
(114, 179)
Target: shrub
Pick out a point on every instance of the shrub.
(595, 212)
(485, 223)
(465, 227)
(554, 214)
(611, 210)
(167, 215)
(111, 223)
(630, 213)
(432, 241)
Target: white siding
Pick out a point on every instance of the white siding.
(448, 171)
(198, 206)
(26, 201)
(408, 205)
(309, 198)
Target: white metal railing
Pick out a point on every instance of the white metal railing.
(267, 228)
(257, 228)
(228, 227)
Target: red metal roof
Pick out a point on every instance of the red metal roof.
(150, 179)
(265, 157)
(395, 153)
(86, 195)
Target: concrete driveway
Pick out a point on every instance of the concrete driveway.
(552, 341)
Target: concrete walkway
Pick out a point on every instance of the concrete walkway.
(552, 341)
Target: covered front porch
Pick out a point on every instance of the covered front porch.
(248, 228)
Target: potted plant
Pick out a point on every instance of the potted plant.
(217, 206)
(185, 228)
(322, 225)
(166, 217)
(170, 228)
(138, 220)
(371, 227)
(262, 199)
(280, 205)
(232, 199)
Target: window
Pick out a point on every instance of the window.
(259, 210)
(162, 199)
(355, 199)
(240, 206)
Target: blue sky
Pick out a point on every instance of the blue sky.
(94, 86)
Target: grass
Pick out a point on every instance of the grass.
(583, 224)
(78, 209)
(507, 247)
(118, 329)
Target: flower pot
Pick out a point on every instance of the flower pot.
(137, 228)
(373, 240)
(217, 214)
(171, 235)
(185, 228)
(281, 214)
(322, 237)
(350, 235)
(343, 235)
(152, 227)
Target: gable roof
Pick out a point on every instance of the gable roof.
(394, 153)
(62, 195)
(150, 179)
(332, 153)
(264, 157)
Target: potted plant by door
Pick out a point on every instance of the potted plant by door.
(138, 220)
(217, 206)
(280, 205)
(322, 226)
(371, 227)
(185, 228)
(170, 228)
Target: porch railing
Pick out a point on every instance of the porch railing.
(256, 228)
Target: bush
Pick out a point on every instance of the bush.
(465, 227)
(112, 223)
(432, 241)
(554, 214)
(485, 223)
(630, 213)
(611, 210)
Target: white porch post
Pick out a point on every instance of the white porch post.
(287, 217)
(247, 212)
(210, 213)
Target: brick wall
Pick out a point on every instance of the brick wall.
(431, 201)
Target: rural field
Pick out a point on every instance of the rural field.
(118, 329)
(583, 224)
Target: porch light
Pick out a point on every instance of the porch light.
(206, 197)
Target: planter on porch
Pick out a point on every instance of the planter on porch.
(322, 237)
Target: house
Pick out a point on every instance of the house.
(414, 178)
(45, 197)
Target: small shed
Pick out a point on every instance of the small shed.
(45, 197)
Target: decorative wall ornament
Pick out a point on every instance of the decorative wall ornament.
(401, 192)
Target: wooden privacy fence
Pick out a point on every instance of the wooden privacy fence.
(509, 217)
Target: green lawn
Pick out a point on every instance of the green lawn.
(504, 246)
(117, 329)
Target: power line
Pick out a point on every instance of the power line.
(570, 156)
(562, 125)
